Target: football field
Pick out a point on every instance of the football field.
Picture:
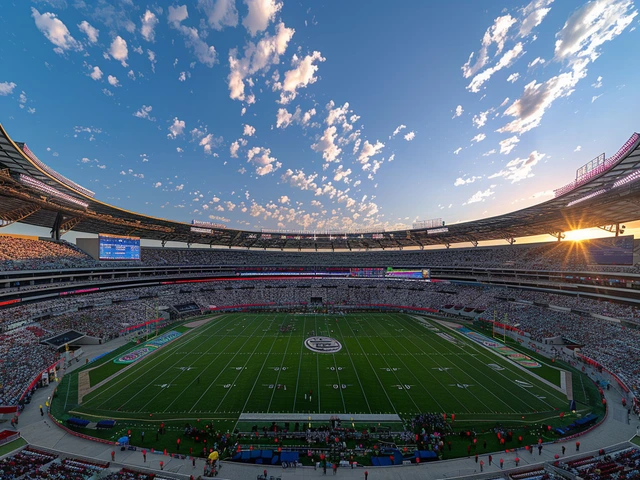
(370, 363)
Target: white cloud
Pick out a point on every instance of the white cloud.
(257, 57)
(545, 193)
(208, 143)
(85, 160)
(496, 34)
(597, 83)
(220, 13)
(478, 138)
(233, 149)
(157, 185)
(507, 60)
(533, 14)
(508, 144)
(490, 152)
(119, 50)
(513, 78)
(144, 112)
(520, 168)
(369, 150)
(261, 158)
(284, 199)
(283, 118)
(113, 81)
(480, 196)
(261, 12)
(91, 32)
(577, 44)
(480, 119)
(205, 53)
(152, 58)
(249, 131)
(6, 88)
(149, 22)
(300, 180)
(465, 181)
(176, 128)
(458, 112)
(300, 76)
(326, 145)
(595, 97)
(578, 148)
(96, 73)
(457, 150)
(410, 136)
(183, 76)
(536, 61)
(341, 174)
(55, 31)
(398, 129)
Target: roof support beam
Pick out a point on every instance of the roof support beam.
(613, 228)
(69, 225)
(18, 214)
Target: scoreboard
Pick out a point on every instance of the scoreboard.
(114, 247)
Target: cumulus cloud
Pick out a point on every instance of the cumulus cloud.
(578, 148)
(480, 119)
(398, 130)
(513, 78)
(369, 150)
(55, 31)
(506, 61)
(261, 13)
(478, 138)
(233, 149)
(457, 150)
(249, 131)
(536, 61)
(495, 34)
(113, 81)
(283, 118)
(220, 13)
(410, 136)
(6, 88)
(91, 32)
(96, 73)
(205, 53)
(263, 161)
(481, 196)
(145, 112)
(257, 58)
(533, 15)
(119, 50)
(300, 180)
(520, 168)
(597, 83)
(465, 181)
(577, 44)
(326, 145)
(209, 142)
(284, 199)
(458, 112)
(300, 76)
(341, 174)
(508, 144)
(176, 128)
(149, 22)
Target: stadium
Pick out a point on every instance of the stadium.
(279, 240)
(305, 349)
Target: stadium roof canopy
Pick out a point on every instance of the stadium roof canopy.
(32, 193)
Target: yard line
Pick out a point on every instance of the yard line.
(163, 372)
(417, 378)
(304, 333)
(257, 376)
(279, 371)
(484, 354)
(137, 369)
(354, 369)
(224, 368)
(315, 329)
(374, 372)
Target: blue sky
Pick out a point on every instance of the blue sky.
(300, 115)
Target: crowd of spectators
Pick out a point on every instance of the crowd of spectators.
(624, 464)
(24, 463)
(28, 254)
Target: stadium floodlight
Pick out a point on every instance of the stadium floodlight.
(46, 189)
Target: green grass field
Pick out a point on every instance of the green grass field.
(389, 364)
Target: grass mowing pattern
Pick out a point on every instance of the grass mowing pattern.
(389, 363)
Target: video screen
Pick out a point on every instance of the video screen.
(612, 250)
(415, 273)
(113, 247)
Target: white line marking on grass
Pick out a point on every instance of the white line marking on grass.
(284, 355)
(344, 343)
(375, 372)
(139, 367)
(302, 347)
(420, 382)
